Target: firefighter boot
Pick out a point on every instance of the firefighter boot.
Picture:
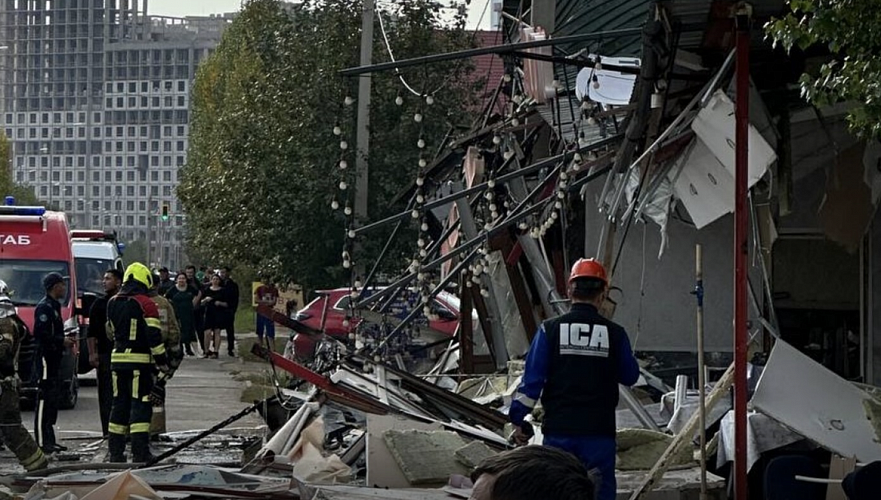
(116, 445)
(141, 448)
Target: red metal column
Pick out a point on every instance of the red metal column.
(741, 139)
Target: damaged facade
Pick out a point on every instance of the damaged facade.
(611, 134)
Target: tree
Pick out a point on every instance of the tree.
(849, 28)
(136, 251)
(24, 195)
(262, 166)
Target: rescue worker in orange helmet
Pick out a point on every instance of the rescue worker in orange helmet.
(574, 365)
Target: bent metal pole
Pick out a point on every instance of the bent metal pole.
(741, 138)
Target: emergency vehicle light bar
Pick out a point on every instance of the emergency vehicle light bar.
(9, 208)
(13, 210)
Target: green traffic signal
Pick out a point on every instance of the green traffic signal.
(164, 212)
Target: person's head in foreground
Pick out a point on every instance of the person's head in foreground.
(532, 473)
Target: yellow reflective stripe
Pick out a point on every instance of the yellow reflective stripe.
(136, 379)
(154, 322)
(115, 389)
(33, 459)
(117, 428)
(133, 330)
(130, 357)
(159, 349)
(140, 427)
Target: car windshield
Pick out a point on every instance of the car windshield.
(25, 279)
(90, 274)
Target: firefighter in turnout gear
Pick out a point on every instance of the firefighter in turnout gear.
(16, 437)
(575, 364)
(138, 350)
(170, 330)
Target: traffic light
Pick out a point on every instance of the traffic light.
(164, 212)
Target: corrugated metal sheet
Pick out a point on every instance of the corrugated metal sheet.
(589, 16)
(592, 133)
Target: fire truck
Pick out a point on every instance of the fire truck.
(34, 242)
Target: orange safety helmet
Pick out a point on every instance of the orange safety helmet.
(588, 268)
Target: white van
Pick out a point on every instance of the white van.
(94, 252)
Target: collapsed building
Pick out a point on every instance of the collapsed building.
(611, 133)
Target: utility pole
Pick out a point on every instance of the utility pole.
(149, 230)
(363, 125)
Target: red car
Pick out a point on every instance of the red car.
(328, 313)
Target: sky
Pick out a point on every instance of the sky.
(180, 8)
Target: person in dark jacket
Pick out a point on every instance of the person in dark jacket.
(100, 345)
(165, 282)
(50, 342)
(232, 296)
(575, 364)
(216, 302)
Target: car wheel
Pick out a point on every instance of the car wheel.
(70, 394)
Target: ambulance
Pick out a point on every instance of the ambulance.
(33, 243)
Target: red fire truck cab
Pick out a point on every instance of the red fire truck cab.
(33, 243)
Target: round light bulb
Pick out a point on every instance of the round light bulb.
(423, 252)
(343, 185)
(420, 199)
(344, 145)
(414, 214)
(429, 100)
(417, 118)
(348, 101)
(596, 84)
(522, 226)
(558, 204)
(561, 194)
(337, 130)
(554, 215)
(347, 264)
(420, 181)
(399, 100)
(422, 163)
(424, 227)
(507, 78)
(515, 122)
(497, 139)
(484, 292)
(351, 233)
(564, 175)
(344, 164)
(577, 157)
(420, 242)
(491, 183)
(420, 143)
(334, 204)
(508, 154)
(347, 210)
(493, 207)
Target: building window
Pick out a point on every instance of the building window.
(154, 176)
(166, 176)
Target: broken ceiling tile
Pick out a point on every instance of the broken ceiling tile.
(808, 398)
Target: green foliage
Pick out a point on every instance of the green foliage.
(23, 194)
(262, 165)
(849, 28)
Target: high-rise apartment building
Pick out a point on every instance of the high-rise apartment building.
(96, 101)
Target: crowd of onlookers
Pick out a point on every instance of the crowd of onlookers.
(205, 302)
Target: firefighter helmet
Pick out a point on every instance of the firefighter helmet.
(588, 268)
(4, 289)
(140, 273)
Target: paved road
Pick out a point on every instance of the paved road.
(201, 394)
